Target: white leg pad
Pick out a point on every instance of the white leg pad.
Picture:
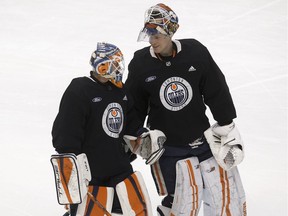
(188, 189)
(163, 211)
(223, 193)
(133, 196)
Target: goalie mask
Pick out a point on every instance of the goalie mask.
(159, 19)
(108, 61)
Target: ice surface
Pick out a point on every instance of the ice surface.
(44, 44)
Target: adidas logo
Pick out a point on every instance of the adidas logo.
(191, 69)
(125, 98)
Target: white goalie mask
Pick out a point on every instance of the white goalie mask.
(159, 19)
(108, 61)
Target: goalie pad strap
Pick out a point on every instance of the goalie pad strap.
(133, 196)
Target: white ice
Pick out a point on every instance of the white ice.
(46, 43)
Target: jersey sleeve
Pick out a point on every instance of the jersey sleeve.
(216, 92)
(69, 126)
(133, 122)
(140, 97)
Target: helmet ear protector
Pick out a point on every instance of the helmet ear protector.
(159, 19)
(108, 61)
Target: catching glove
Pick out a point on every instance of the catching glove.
(149, 144)
(226, 145)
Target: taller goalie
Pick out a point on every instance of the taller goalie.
(93, 174)
(173, 82)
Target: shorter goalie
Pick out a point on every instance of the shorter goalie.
(93, 172)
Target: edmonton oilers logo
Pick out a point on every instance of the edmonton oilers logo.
(112, 120)
(175, 93)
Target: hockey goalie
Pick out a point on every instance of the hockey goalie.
(93, 171)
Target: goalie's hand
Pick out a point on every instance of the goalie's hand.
(226, 145)
(148, 144)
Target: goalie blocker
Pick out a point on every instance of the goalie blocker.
(72, 175)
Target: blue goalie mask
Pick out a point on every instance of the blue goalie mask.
(108, 61)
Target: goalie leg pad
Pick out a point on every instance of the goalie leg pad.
(223, 192)
(72, 176)
(97, 202)
(163, 211)
(189, 188)
(133, 196)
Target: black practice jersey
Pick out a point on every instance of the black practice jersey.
(91, 120)
(173, 92)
